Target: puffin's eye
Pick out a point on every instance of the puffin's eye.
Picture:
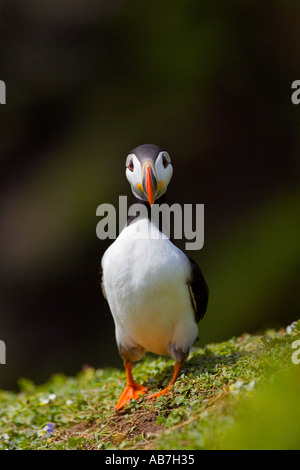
(131, 165)
(165, 161)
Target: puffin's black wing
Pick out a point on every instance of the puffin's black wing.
(102, 290)
(199, 291)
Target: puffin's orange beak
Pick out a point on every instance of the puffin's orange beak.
(150, 181)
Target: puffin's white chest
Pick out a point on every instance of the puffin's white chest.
(145, 280)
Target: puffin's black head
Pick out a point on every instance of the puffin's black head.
(149, 171)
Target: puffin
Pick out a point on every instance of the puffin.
(156, 293)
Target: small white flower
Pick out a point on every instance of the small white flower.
(290, 328)
(239, 384)
(250, 385)
(44, 401)
(69, 402)
(235, 388)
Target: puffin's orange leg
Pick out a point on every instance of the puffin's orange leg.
(177, 369)
(132, 389)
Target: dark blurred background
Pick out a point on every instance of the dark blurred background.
(88, 80)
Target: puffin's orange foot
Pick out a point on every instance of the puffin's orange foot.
(131, 392)
(162, 392)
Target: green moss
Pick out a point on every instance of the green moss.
(241, 393)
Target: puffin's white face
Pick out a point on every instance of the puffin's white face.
(149, 180)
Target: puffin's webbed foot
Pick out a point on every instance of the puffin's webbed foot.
(132, 389)
(130, 392)
(177, 369)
